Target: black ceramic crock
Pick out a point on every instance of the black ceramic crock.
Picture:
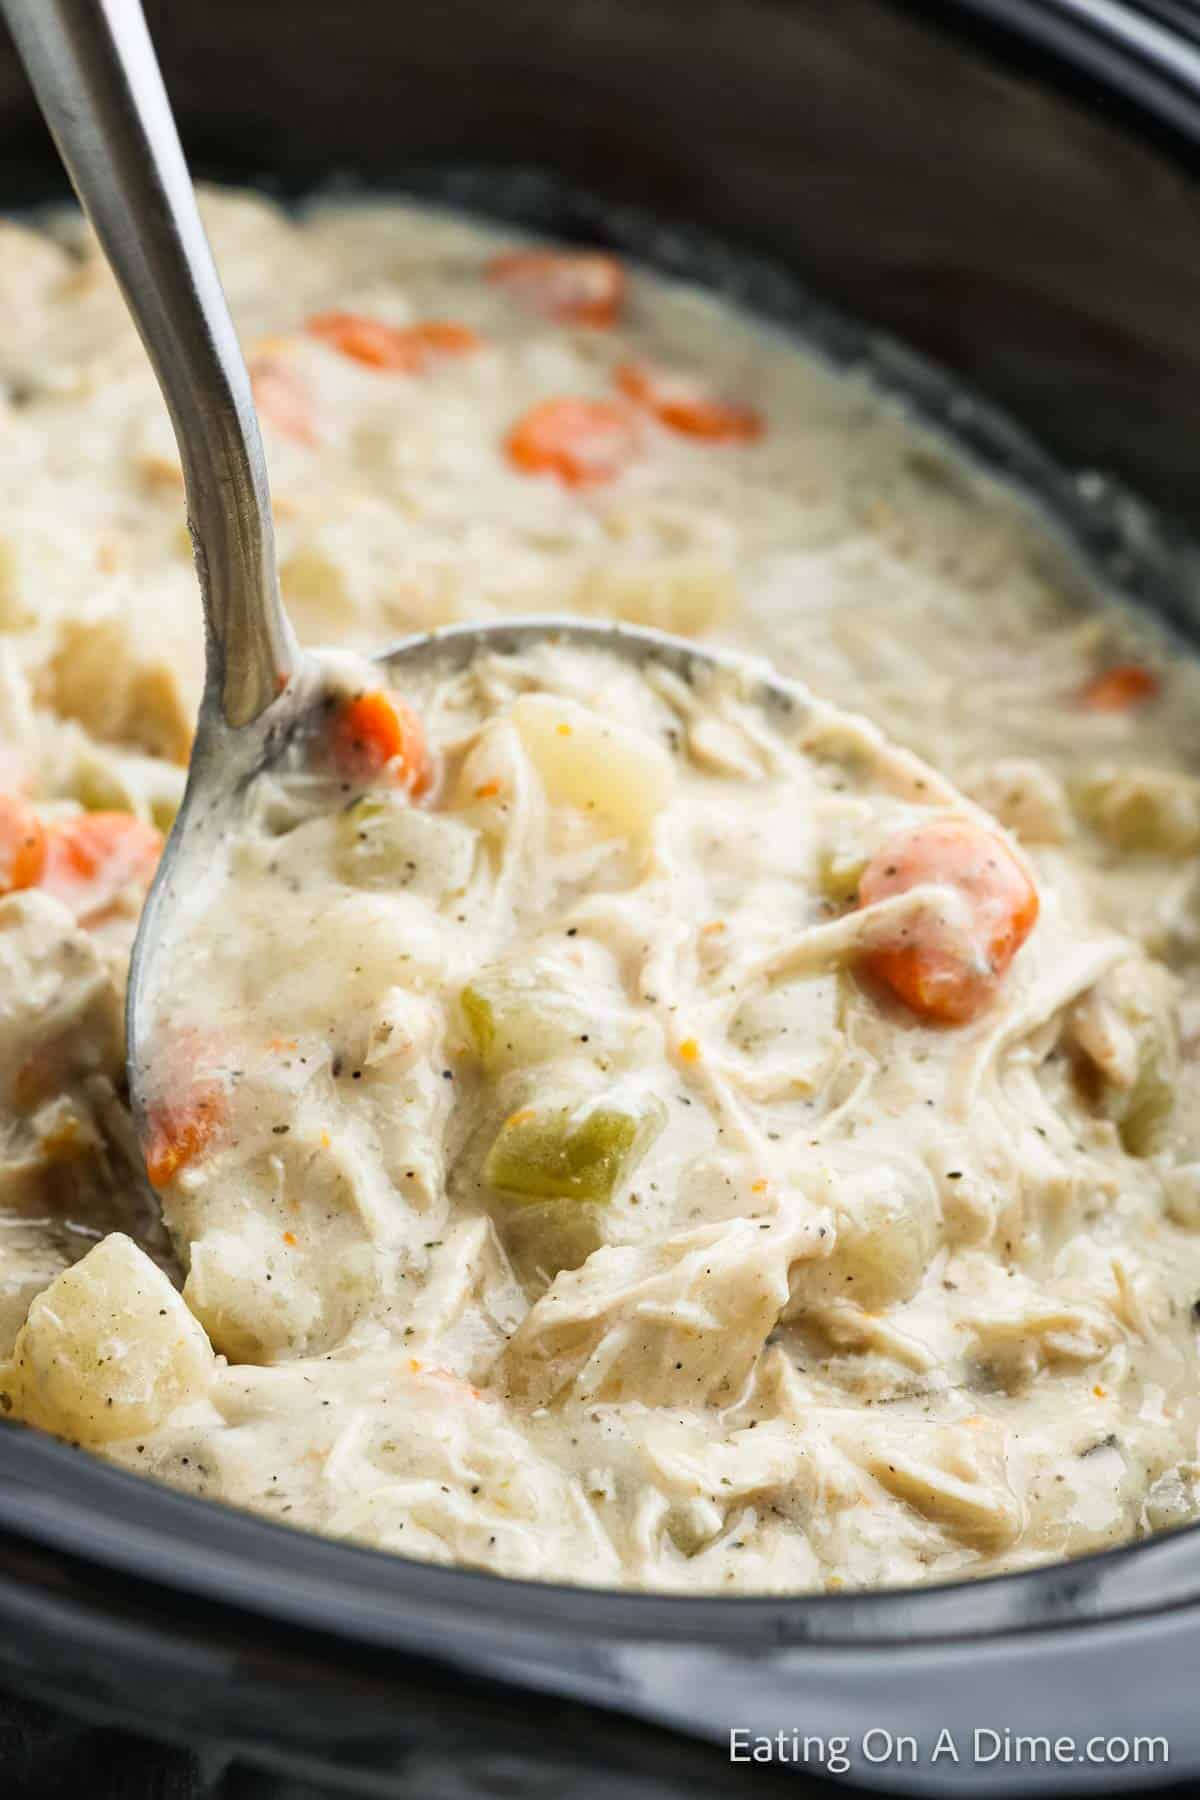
(1012, 187)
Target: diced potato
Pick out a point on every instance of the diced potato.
(1182, 1193)
(109, 1349)
(249, 1321)
(373, 940)
(572, 1151)
(100, 676)
(519, 1014)
(886, 1220)
(1126, 1030)
(588, 761)
(387, 843)
(1155, 810)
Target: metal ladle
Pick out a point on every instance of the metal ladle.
(96, 77)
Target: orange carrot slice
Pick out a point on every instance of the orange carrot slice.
(22, 845)
(176, 1132)
(92, 859)
(686, 406)
(1120, 689)
(445, 337)
(947, 967)
(405, 349)
(378, 736)
(578, 287)
(284, 399)
(584, 442)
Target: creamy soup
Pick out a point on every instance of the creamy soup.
(633, 1134)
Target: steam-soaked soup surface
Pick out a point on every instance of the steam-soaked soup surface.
(605, 1127)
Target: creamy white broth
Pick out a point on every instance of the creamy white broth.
(439, 1367)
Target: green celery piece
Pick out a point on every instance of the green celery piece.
(516, 1016)
(479, 1015)
(570, 1151)
(386, 843)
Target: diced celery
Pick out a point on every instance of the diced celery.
(543, 1237)
(572, 1151)
(1148, 1105)
(479, 1016)
(517, 1014)
(839, 868)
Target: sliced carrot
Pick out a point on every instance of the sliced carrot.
(378, 735)
(1120, 689)
(93, 858)
(284, 398)
(579, 287)
(947, 968)
(405, 349)
(686, 406)
(584, 442)
(22, 845)
(178, 1131)
(445, 337)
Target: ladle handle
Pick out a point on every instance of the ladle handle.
(96, 77)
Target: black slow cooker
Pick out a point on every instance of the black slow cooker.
(1011, 188)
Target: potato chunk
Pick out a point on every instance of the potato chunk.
(887, 1230)
(1153, 810)
(109, 1349)
(385, 842)
(119, 690)
(588, 761)
(518, 1014)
